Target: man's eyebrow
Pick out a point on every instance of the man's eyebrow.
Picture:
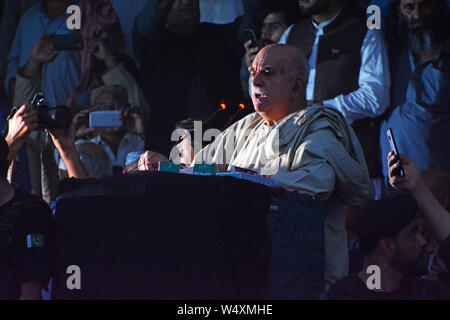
(267, 67)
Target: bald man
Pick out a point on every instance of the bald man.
(306, 148)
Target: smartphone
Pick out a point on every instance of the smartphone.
(391, 139)
(105, 119)
(67, 42)
(250, 35)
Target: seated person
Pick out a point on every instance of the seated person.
(116, 142)
(308, 149)
(26, 239)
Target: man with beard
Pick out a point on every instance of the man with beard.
(391, 238)
(418, 31)
(349, 68)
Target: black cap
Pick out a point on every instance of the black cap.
(383, 218)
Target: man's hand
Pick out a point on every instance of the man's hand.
(43, 50)
(81, 124)
(411, 182)
(149, 161)
(250, 53)
(132, 121)
(101, 51)
(20, 126)
(64, 140)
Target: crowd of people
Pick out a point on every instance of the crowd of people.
(317, 88)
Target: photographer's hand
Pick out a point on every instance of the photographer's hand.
(42, 52)
(132, 121)
(64, 141)
(81, 124)
(20, 126)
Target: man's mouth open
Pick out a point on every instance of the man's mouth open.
(261, 96)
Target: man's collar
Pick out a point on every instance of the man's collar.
(282, 120)
(326, 23)
(436, 58)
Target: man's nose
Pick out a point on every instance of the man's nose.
(417, 13)
(265, 34)
(257, 81)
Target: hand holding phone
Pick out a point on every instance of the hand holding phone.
(251, 48)
(391, 139)
(250, 35)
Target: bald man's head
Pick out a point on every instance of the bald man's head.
(294, 60)
(279, 81)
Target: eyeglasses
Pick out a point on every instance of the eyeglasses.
(115, 106)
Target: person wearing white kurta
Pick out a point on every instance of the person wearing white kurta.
(309, 149)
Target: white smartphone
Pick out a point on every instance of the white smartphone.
(105, 119)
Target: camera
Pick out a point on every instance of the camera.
(59, 117)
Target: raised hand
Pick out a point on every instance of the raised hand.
(412, 179)
(43, 50)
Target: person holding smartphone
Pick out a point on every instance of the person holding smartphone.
(273, 19)
(117, 139)
(418, 33)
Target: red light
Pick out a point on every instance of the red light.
(223, 106)
(242, 106)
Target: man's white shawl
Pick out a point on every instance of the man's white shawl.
(313, 151)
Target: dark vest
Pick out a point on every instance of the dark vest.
(337, 70)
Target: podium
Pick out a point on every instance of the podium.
(173, 236)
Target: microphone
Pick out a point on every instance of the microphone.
(218, 117)
(237, 115)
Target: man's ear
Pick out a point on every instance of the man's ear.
(299, 86)
(387, 246)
